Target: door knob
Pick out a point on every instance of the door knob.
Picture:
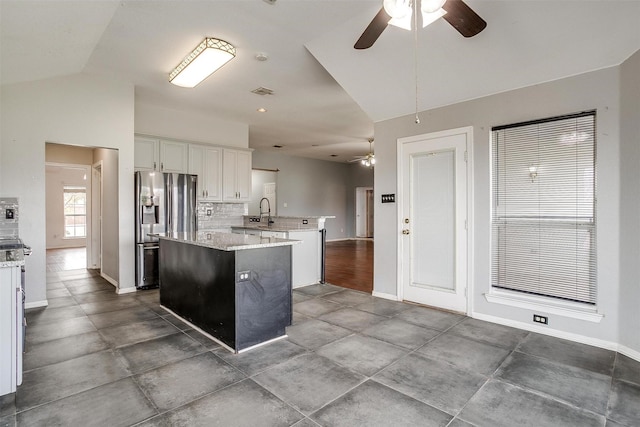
(405, 231)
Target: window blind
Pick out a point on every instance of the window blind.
(543, 219)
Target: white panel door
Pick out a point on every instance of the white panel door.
(433, 214)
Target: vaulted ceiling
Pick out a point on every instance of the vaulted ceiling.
(326, 94)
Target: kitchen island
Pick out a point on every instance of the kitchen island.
(236, 288)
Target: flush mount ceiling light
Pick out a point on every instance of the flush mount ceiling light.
(206, 58)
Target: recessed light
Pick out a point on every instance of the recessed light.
(261, 56)
(261, 110)
(334, 155)
(314, 145)
(278, 146)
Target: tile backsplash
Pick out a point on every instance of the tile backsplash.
(9, 227)
(214, 216)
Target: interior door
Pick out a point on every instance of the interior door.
(433, 213)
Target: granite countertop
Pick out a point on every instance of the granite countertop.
(276, 228)
(228, 241)
(17, 263)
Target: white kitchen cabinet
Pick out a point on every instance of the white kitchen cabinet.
(146, 154)
(206, 162)
(10, 329)
(156, 155)
(236, 176)
(174, 157)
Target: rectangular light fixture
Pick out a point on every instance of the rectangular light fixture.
(206, 58)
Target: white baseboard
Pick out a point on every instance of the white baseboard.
(126, 290)
(608, 345)
(385, 296)
(629, 352)
(36, 304)
(109, 279)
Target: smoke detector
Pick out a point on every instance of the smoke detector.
(261, 56)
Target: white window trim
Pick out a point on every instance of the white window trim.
(574, 310)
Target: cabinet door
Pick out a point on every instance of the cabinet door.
(174, 157)
(243, 176)
(145, 154)
(197, 167)
(213, 173)
(229, 193)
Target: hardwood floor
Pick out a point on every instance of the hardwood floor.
(349, 263)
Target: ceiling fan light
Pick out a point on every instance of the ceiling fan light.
(364, 162)
(373, 160)
(203, 61)
(430, 6)
(397, 8)
(431, 17)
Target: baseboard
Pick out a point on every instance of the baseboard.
(127, 290)
(608, 345)
(109, 279)
(629, 352)
(385, 296)
(36, 304)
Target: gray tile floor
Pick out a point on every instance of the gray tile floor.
(96, 358)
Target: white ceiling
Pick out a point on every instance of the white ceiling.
(327, 94)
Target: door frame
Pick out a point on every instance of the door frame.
(468, 132)
(94, 258)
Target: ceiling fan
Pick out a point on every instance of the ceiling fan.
(369, 159)
(398, 13)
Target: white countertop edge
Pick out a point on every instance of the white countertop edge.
(275, 229)
(18, 263)
(234, 242)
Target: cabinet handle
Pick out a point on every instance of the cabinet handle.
(161, 166)
(207, 191)
(154, 165)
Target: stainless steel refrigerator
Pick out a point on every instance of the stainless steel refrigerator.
(165, 203)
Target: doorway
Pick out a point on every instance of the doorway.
(433, 247)
(364, 212)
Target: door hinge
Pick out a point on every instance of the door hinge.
(466, 156)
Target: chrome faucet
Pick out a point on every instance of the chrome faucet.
(268, 212)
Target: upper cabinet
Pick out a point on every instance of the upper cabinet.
(236, 179)
(146, 154)
(206, 162)
(164, 156)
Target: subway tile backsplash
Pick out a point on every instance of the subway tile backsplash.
(9, 227)
(214, 216)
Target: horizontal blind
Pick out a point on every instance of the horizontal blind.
(543, 221)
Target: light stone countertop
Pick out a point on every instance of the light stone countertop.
(17, 263)
(276, 228)
(227, 241)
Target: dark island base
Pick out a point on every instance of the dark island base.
(242, 298)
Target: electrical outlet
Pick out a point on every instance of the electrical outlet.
(208, 212)
(243, 276)
(305, 221)
(9, 214)
(540, 319)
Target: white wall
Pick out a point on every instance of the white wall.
(630, 204)
(194, 126)
(57, 177)
(309, 187)
(75, 110)
(595, 90)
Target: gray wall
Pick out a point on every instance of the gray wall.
(630, 203)
(359, 176)
(310, 187)
(595, 90)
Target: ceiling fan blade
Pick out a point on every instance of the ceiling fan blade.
(463, 18)
(373, 30)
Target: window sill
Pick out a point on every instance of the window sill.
(566, 309)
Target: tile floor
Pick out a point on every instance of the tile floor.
(98, 359)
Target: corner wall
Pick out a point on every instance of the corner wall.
(76, 110)
(630, 206)
(595, 90)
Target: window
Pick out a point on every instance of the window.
(543, 221)
(75, 212)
